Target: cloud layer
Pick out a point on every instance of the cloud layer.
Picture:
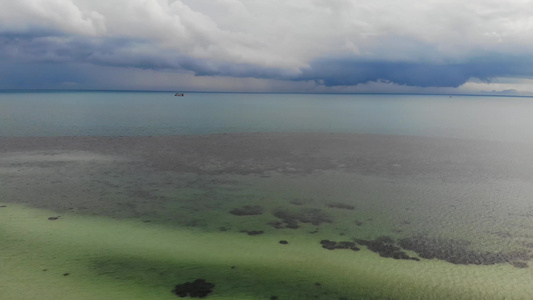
(337, 43)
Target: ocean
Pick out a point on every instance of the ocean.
(129, 195)
(160, 113)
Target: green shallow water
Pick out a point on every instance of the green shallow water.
(112, 259)
(136, 216)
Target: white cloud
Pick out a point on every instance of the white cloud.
(59, 15)
(281, 34)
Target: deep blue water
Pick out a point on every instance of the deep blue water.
(160, 113)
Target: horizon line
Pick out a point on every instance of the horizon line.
(262, 92)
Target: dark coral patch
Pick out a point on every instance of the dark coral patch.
(297, 202)
(452, 251)
(247, 210)
(197, 289)
(313, 216)
(341, 206)
(288, 219)
(253, 232)
(327, 244)
(458, 252)
(332, 245)
(291, 219)
(347, 245)
(277, 225)
(519, 264)
(386, 247)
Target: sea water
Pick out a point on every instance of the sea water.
(126, 194)
(161, 113)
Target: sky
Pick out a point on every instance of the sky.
(345, 46)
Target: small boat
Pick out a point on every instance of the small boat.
(179, 94)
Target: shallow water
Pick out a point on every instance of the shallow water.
(146, 191)
(138, 215)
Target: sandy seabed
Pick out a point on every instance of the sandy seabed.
(131, 217)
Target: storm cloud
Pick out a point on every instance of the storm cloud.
(342, 72)
(327, 43)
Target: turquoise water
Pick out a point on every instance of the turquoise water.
(160, 113)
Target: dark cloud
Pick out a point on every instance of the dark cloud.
(135, 53)
(345, 72)
(49, 59)
(344, 43)
(202, 67)
(48, 49)
(57, 48)
(349, 72)
(51, 48)
(39, 75)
